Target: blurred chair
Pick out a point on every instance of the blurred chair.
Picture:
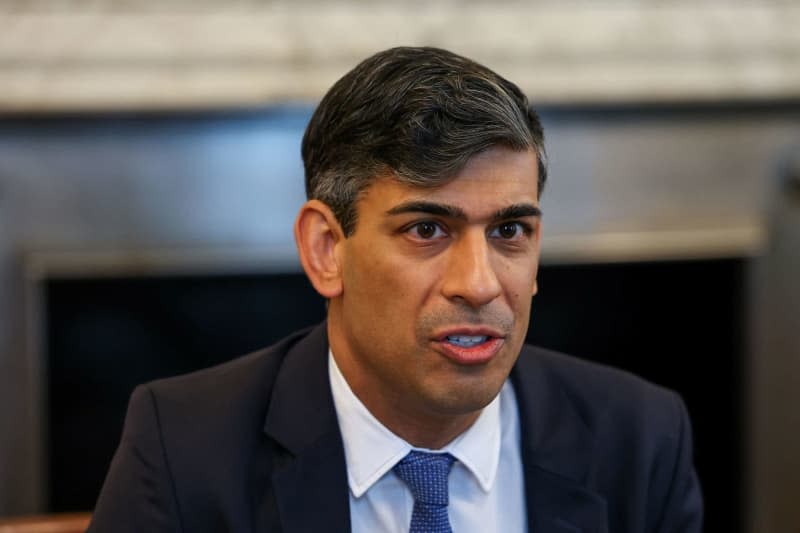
(54, 523)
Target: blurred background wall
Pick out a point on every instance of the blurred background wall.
(160, 138)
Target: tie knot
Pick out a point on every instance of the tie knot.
(426, 475)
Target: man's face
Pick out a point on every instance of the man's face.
(437, 287)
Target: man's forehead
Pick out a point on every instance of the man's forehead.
(470, 192)
(466, 195)
(495, 166)
(491, 182)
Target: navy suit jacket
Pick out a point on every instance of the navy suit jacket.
(253, 445)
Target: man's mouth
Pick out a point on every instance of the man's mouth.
(466, 341)
(470, 347)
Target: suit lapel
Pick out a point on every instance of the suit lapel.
(556, 452)
(310, 482)
(559, 505)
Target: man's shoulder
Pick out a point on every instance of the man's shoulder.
(619, 436)
(237, 392)
(600, 394)
(591, 376)
(198, 438)
(241, 374)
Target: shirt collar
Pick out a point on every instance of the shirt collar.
(371, 449)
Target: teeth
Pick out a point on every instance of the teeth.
(466, 341)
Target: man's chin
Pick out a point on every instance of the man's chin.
(465, 398)
(471, 387)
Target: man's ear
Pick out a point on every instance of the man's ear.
(316, 233)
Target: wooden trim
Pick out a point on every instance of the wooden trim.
(55, 523)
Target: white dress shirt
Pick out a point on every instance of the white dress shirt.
(486, 484)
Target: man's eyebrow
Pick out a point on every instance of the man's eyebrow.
(517, 211)
(432, 208)
(451, 211)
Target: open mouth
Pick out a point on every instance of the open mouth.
(466, 341)
(470, 347)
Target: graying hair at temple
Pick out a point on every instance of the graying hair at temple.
(416, 114)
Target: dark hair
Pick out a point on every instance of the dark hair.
(417, 114)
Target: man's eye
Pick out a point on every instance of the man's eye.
(427, 230)
(507, 230)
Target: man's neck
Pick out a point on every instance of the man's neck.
(417, 427)
(416, 424)
(430, 433)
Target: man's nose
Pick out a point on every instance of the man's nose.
(470, 274)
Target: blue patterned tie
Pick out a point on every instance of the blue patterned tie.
(426, 477)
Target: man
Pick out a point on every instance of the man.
(415, 406)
